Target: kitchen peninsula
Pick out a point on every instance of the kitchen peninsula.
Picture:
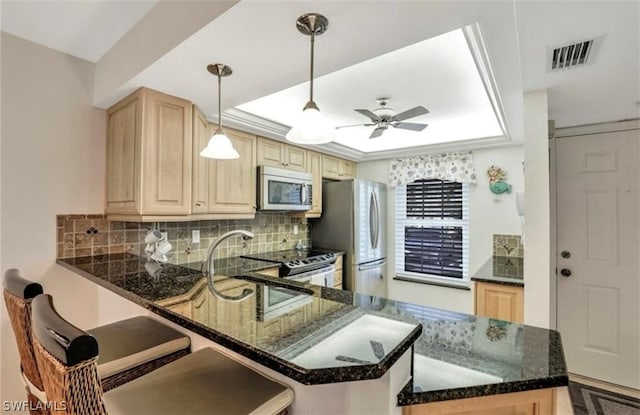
(333, 337)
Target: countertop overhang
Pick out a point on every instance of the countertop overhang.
(132, 282)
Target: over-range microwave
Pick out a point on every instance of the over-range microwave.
(281, 189)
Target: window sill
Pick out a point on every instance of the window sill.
(461, 285)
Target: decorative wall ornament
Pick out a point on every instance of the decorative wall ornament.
(455, 167)
(497, 180)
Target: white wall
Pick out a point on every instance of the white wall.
(538, 288)
(52, 152)
(487, 216)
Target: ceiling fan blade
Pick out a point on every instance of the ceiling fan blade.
(377, 132)
(413, 112)
(413, 126)
(372, 116)
(356, 125)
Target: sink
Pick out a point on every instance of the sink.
(431, 374)
(366, 340)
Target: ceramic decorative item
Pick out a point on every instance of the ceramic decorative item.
(497, 329)
(497, 180)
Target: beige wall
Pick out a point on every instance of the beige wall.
(487, 216)
(52, 152)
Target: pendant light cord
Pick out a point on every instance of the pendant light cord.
(313, 38)
(219, 102)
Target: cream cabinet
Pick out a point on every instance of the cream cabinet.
(502, 302)
(277, 154)
(337, 169)
(200, 170)
(232, 183)
(337, 274)
(149, 152)
(314, 166)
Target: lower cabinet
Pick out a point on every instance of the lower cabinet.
(337, 275)
(502, 302)
(536, 402)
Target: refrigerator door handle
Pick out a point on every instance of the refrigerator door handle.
(372, 220)
(377, 220)
(371, 265)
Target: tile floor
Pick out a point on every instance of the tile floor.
(563, 405)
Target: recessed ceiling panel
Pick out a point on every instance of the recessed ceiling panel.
(438, 73)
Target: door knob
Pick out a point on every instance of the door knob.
(565, 272)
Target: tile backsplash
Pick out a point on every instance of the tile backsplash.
(508, 245)
(84, 235)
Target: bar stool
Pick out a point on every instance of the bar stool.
(129, 348)
(205, 382)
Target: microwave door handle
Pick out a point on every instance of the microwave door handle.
(303, 194)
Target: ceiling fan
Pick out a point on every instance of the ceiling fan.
(385, 117)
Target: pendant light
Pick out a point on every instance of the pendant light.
(312, 127)
(219, 146)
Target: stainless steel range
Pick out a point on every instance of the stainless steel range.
(293, 262)
(307, 266)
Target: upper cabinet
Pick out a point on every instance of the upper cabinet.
(232, 183)
(314, 166)
(337, 169)
(200, 188)
(277, 154)
(154, 170)
(149, 155)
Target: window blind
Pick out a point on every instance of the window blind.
(432, 229)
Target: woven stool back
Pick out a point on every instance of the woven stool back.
(66, 359)
(18, 294)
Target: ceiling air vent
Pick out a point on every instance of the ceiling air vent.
(572, 55)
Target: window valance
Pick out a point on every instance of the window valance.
(455, 167)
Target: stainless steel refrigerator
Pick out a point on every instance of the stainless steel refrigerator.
(353, 220)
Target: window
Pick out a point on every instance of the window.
(432, 229)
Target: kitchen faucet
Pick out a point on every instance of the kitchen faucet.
(207, 265)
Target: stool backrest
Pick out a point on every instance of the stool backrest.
(18, 294)
(66, 359)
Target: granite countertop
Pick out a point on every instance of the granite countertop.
(455, 355)
(501, 270)
(302, 339)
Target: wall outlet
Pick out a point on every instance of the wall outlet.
(295, 229)
(195, 236)
(165, 235)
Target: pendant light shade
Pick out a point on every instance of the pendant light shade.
(219, 146)
(311, 127)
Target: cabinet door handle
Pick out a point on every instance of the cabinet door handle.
(198, 204)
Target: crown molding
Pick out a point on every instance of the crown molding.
(250, 123)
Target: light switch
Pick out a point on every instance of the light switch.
(165, 235)
(295, 229)
(195, 236)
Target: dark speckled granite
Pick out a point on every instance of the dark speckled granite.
(507, 357)
(237, 315)
(501, 270)
(503, 357)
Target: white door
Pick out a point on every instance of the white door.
(598, 235)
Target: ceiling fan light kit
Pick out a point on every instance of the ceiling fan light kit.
(311, 127)
(219, 145)
(385, 117)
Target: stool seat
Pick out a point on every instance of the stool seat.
(203, 382)
(134, 341)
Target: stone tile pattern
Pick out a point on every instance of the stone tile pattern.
(508, 246)
(85, 235)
